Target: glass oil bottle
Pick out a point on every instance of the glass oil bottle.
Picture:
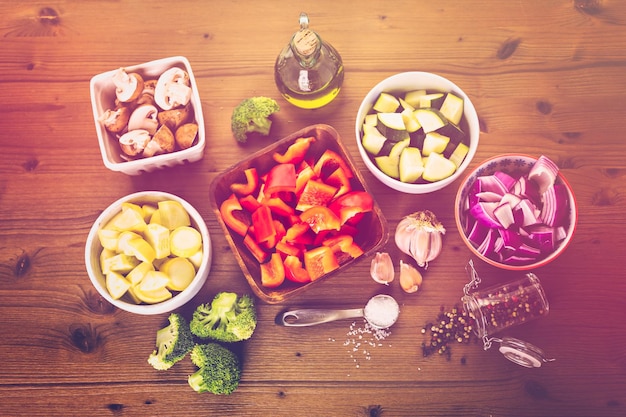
(308, 72)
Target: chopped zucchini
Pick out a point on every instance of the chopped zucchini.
(392, 126)
(405, 105)
(430, 119)
(396, 150)
(371, 119)
(437, 167)
(413, 97)
(373, 141)
(417, 138)
(388, 165)
(459, 154)
(433, 100)
(386, 103)
(410, 121)
(434, 143)
(452, 108)
(410, 166)
(453, 131)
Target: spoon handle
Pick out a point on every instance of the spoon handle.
(313, 316)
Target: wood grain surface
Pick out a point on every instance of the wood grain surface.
(546, 77)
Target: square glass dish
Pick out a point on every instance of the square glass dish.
(103, 98)
(371, 231)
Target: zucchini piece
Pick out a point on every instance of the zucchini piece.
(405, 105)
(434, 100)
(392, 126)
(372, 141)
(386, 103)
(388, 165)
(417, 138)
(371, 119)
(397, 149)
(410, 121)
(410, 166)
(437, 168)
(459, 154)
(430, 119)
(434, 143)
(452, 108)
(453, 131)
(413, 97)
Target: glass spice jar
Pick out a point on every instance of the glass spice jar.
(501, 307)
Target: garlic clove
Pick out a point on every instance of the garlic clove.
(420, 247)
(410, 278)
(381, 269)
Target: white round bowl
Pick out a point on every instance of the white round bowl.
(93, 249)
(404, 82)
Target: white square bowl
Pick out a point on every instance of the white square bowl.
(102, 92)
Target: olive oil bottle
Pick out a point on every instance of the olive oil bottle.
(308, 72)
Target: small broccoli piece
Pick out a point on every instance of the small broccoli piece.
(228, 318)
(220, 369)
(252, 115)
(173, 343)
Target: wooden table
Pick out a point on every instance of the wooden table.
(547, 77)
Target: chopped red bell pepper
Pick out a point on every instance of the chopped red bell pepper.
(263, 223)
(252, 182)
(249, 203)
(350, 204)
(280, 233)
(296, 151)
(315, 193)
(296, 230)
(339, 179)
(320, 261)
(328, 162)
(343, 243)
(305, 174)
(278, 206)
(286, 248)
(321, 218)
(294, 270)
(234, 216)
(273, 271)
(281, 177)
(257, 251)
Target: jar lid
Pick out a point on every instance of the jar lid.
(523, 353)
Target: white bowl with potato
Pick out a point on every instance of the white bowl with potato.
(417, 132)
(148, 253)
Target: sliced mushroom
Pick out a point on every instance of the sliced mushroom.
(134, 142)
(144, 117)
(162, 142)
(115, 120)
(127, 86)
(172, 89)
(147, 95)
(174, 118)
(186, 135)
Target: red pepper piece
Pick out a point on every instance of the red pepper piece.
(296, 151)
(280, 233)
(289, 248)
(278, 206)
(252, 182)
(343, 243)
(294, 270)
(350, 204)
(263, 223)
(315, 193)
(259, 253)
(281, 177)
(296, 230)
(321, 218)
(273, 271)
(320, 261)
(234, 216)
(329, 161)
(249, 203)
(305, 174)
(340, 180)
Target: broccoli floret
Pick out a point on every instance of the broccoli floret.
(252, 115)
(228, 318)
(173, 343)
(220, 369)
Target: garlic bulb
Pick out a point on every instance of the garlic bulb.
(419, 235)
(382, 268)
(410, 278)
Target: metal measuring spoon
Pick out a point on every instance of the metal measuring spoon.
(381, 311)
